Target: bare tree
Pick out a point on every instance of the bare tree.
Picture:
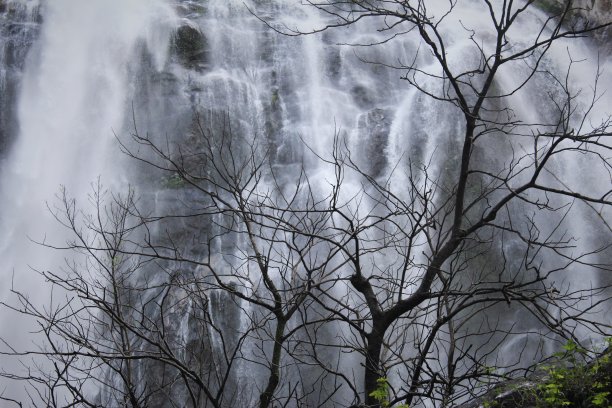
(154, 321)
(117, 329)
(411, 269)
(456, 226)
(277, 254)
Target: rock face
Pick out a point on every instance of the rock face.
(373, 135)
(191, 47)
(598, 11)
(593, 12)
(19, 27)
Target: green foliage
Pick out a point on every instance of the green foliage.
(600, 398)
(173, 181)
(577, 383)
(116, 261)
(275, 98)
(381, 394)
(553, 394)
(490, 404)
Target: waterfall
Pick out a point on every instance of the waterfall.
(73, 93)
(77, 77)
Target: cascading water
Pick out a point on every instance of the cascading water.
(101, 67)
(73, 91)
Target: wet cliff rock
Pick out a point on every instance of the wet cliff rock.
(585, 12)
(19, 27)
(373, 137)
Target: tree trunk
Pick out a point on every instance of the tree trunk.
(274, 378)
(372, 365)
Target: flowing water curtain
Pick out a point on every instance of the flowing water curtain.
(271, 153)
(520, 113)
(72, 92)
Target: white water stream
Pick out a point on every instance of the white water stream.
(81, 80)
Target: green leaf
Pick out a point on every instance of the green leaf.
(600, 398)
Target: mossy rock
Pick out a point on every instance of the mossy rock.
(566, 380)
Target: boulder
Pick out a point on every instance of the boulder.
(191, 47)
